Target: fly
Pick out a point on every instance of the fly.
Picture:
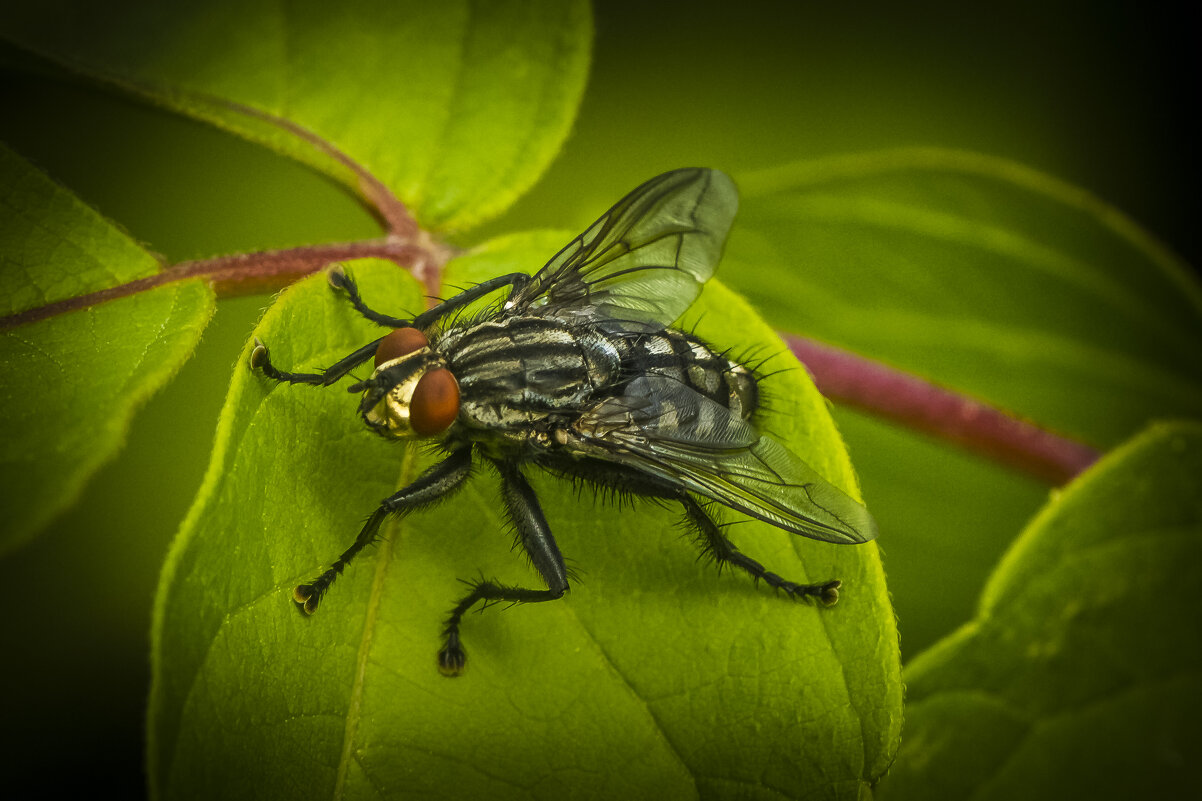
(577, 372)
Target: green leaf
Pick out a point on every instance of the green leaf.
(73, 382)
(655, 676)
(1080, 675)
(456, 106)
(988, 278)
(946, 517)
(981, 274)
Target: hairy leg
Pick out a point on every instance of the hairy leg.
(717, 545)
(433, 485)
(535, 537)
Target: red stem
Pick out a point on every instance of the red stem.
(428, 255)
(246, 274)
(399, 223)
(906, 399)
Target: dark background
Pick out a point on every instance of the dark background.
(1096, 95)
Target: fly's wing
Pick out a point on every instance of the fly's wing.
(645, 259)
(667, 430)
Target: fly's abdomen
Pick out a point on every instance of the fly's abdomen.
(520, 370)
(683, 357)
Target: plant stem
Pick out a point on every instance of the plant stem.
(395, 215)
(251, 273)
(918, 404)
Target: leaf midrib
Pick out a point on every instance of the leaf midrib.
(383, 562)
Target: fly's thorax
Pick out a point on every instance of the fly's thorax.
(412, 393)
(522, 371)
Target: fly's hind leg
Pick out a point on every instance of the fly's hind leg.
(535, 537)
(724, 552)
(713, 542)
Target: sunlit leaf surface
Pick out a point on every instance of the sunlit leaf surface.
(1079, 675)
(456, 106)
(656, 676)
(72, 382)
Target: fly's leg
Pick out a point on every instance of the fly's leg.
(535, 536)
(468, 296)
(625, 482)
(261, 361)
(724, 552)
(340, 280)
(434, 484)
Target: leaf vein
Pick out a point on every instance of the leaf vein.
(658, 726)
(984, 788)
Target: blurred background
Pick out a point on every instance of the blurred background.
(1099, 98)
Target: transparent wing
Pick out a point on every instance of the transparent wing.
(667, 430)
(645, 259)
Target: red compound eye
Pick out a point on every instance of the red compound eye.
(435, 403)
(400, 342)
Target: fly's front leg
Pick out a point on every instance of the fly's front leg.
(431, 486)
(340, 280)
(724, 552)
(261, 361)
(535, 536)
(514, 280)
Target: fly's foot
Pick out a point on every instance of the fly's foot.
(827, 594)
(258, 356)
(452, 657)
(308, 596)
(336, 275)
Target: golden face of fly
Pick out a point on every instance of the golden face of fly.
(423, 401)
(391, 414)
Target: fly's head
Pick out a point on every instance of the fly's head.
(411, 394)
